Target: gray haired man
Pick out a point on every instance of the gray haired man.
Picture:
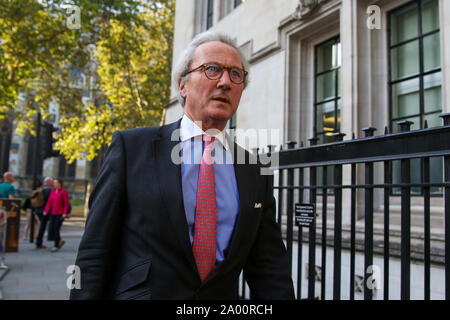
(164, 230)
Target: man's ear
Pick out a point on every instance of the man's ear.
(182, 87)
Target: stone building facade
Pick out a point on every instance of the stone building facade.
(323, 66)
(291, 44)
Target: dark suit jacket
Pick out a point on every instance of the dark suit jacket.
(136, 242)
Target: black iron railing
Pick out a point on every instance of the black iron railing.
(297, 183)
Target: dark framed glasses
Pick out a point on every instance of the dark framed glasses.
(214, 71)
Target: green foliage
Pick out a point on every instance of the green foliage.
(124, 49)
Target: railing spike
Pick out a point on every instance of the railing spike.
(291, 144)
(446, 118)
(405, 125)
(339, 136)
(369, 131)
(313, 141)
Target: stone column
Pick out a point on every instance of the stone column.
(349, 70)
(349, 92)
(216, 11)
(444, 7)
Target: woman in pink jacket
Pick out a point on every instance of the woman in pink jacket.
(58, 207)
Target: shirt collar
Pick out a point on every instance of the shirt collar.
(189, 129)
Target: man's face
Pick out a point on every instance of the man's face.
(212, 101)
(49, 182)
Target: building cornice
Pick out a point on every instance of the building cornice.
(306, 10)
(307, 7)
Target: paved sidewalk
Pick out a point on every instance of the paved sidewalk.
(41, 274)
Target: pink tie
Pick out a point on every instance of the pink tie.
(204, 246)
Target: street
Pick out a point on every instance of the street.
(41, 274)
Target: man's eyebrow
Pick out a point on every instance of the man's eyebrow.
(221, 64)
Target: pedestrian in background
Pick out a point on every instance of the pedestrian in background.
(58, 207)
(46, 189)
(7, 190)
(29, 211)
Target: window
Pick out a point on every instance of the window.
(227, 6)
(31, 158)
(327, 101)
(415, 64)
(209, 14)
(66, 170)
(5, 145)
(238, 2)
(415, 76)
(78, 79)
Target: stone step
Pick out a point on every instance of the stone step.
(437, 244)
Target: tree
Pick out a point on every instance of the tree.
(123, 49)
(34, 46)
(134, 62)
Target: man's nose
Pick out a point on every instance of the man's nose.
(224, 80)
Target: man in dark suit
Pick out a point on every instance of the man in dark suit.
(171, 217)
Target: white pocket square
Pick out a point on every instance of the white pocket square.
(258, 205)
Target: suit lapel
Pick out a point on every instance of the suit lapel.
(245, 181)
(169, 178)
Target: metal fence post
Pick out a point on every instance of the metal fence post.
(337, 225)
(446, 119)
(290, 208)
(405, 167)
(368, 218)
(312, 231)
(280, 192)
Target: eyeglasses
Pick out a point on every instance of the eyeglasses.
(214, 71)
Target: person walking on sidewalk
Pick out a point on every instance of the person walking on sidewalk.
(58, 207)
(7, 190)
(30, 211)
(47, 189)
